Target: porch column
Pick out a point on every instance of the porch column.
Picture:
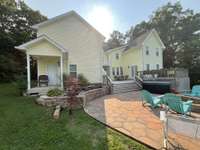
(61, 71)
(28, 72)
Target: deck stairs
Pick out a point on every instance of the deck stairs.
(125, 86)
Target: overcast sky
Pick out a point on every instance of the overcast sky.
(107, 15)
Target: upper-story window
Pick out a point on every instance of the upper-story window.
(157, 52)
(147, 50)
(117, 55)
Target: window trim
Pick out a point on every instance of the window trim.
(157, 66)
(117, 56)
(72, 70)
(148, 67)
(147, 51)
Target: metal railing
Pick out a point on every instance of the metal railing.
(107, 81)
(139, 81)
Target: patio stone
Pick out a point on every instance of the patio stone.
(125, 113)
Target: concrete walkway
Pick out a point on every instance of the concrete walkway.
(125, 113)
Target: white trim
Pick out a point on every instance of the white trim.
(132, 65)
(28, 72)
(40, 38)
(38, 72)
(153, 31)
(61, 71)
(54, 19)
(114, 49)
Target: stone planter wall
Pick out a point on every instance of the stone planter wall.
(83, 98)
(52, 101)
(90, 95)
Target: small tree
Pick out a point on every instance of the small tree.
(72, 91)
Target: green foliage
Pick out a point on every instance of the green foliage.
(24, 128)
(83, 81)
(116, 39)
(15, 29)
(21, 83)
(54, 92)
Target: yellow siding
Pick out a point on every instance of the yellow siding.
(131, 57)
(43, 61)
(43, 48)
(83, 43)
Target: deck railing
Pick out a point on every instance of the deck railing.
(163, 73)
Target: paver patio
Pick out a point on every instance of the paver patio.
(125, 113)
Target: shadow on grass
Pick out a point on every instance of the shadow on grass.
(26, 125)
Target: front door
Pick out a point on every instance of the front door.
(53, 74)
(133, 71)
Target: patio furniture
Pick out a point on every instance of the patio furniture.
(147, 97)
(176, 104)
(43, 80)
(194, 93)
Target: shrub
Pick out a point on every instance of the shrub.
(21, 84)
(54, 92)
(83, 81)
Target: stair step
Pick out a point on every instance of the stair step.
(122, 87)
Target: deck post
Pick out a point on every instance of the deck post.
(28, 72)
(61, 71)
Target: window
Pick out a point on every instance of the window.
(121, 71)
(147, 50)
(73, 70)
(157, 66)
(117, 71)
(117, 56)
(148, 67)
(113, 71)
(157, 52)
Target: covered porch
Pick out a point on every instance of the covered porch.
(51, 60)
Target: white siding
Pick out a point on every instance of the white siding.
(153, 44)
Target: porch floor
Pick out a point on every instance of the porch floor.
(41, 90)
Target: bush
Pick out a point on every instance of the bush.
(54, 92)
(83, 81)
(21, 84)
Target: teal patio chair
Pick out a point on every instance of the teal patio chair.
(195, 92)
(176, 104)
(147, 97)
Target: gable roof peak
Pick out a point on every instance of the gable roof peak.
(67, 14)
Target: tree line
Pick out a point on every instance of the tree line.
(16, 20)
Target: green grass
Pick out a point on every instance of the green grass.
(26, 125)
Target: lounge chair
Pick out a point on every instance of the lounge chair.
(194, 93)
(147, 97)
(176, 104)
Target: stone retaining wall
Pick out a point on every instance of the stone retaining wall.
(83, 98)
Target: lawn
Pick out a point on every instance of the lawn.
(26, 125)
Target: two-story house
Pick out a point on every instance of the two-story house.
(142, 53)
(65, 44)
